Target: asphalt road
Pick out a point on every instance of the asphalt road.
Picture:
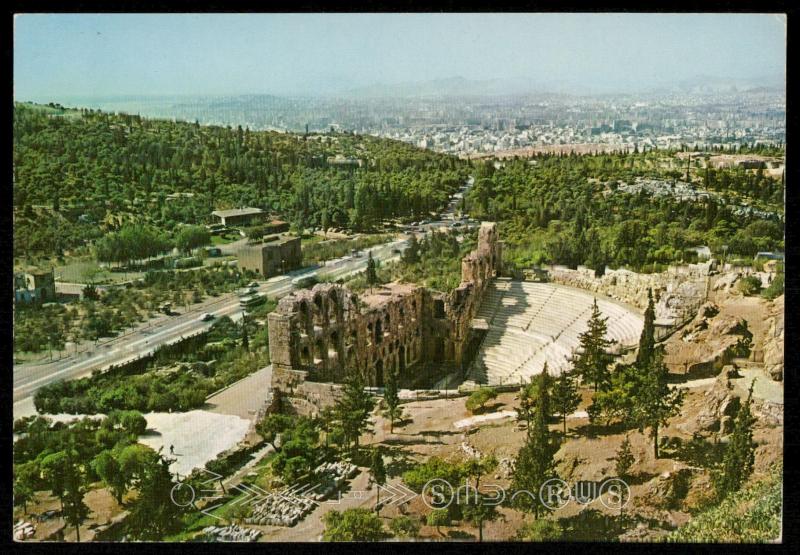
(168, 329)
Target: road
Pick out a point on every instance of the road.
(169, 329)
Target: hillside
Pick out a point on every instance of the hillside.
(94, 169)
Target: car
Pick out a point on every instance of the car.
(395, 251)
(206, 317)
(253, 285)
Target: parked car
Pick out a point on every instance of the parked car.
(206, 317)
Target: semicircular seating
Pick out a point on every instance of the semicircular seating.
(530, 323)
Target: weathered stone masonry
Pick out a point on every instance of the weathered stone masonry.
(317, 335)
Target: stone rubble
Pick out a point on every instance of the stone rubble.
(287, 509)
(232, 533)
(23, 530)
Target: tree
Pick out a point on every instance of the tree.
(245, 338)
(54, 470)
(535, 463)
(353, 410)
(439, 518)
(478, 399)
(75, 510)
(738, 460)
(565, 397)
(535, 396)
(478, 467)
(372, 273)
(541, 530)
(377, 473)
(191, 237)
(390, 396)
(411, 254)
(624, 458)
(477, 511)
(655, 402)
(647, 338)
(154, 514)
(25, 479)
(109, 470)
(272, 425)
(593, 359)
(405, 527)
(352, 525)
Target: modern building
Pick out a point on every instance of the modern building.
(271, 257)
(34, 287)
(239, 216)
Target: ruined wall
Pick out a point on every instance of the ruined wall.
(318, 335)
(679, 291)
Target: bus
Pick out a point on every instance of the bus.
(252, 301)
(305, 281)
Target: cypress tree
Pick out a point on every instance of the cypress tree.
(565, 396)
(647, 339)
(535, 464)
(737, 463)
(593, 361)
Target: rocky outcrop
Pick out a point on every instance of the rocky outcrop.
(707, 343)
(773, 342)
(720, 406)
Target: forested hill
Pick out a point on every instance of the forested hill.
(79, 173)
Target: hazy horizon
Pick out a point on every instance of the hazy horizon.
(63, 56)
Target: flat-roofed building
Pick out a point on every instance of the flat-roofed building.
(239, 216)
(34, 286)
(271, 257)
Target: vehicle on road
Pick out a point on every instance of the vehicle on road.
(165, 308)
(305, 281)
(253, 285)
(252, 301)
(206, 317)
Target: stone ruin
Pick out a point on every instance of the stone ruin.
(287, 508)
(232, 533)
(318, 335)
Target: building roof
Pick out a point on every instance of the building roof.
(237, 212)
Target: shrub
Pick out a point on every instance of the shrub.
(405, 527)
(478, 399)
(749, 285)
(775, 288)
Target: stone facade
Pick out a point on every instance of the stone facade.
(271, 258)
(318, 335)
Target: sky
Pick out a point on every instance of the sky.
(92, 55)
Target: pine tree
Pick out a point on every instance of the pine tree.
(377, 472)
(647, 338)
(154, 514)
(372, 273)
(536, 396)
(390, 396)
(353, 409)
(737, 463)
(245, 338)
(624, 458)
(593, 359)
(411, 254)
(654, 401)
(565, 396)
(535, 464)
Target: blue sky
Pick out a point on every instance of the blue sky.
(64, 55)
